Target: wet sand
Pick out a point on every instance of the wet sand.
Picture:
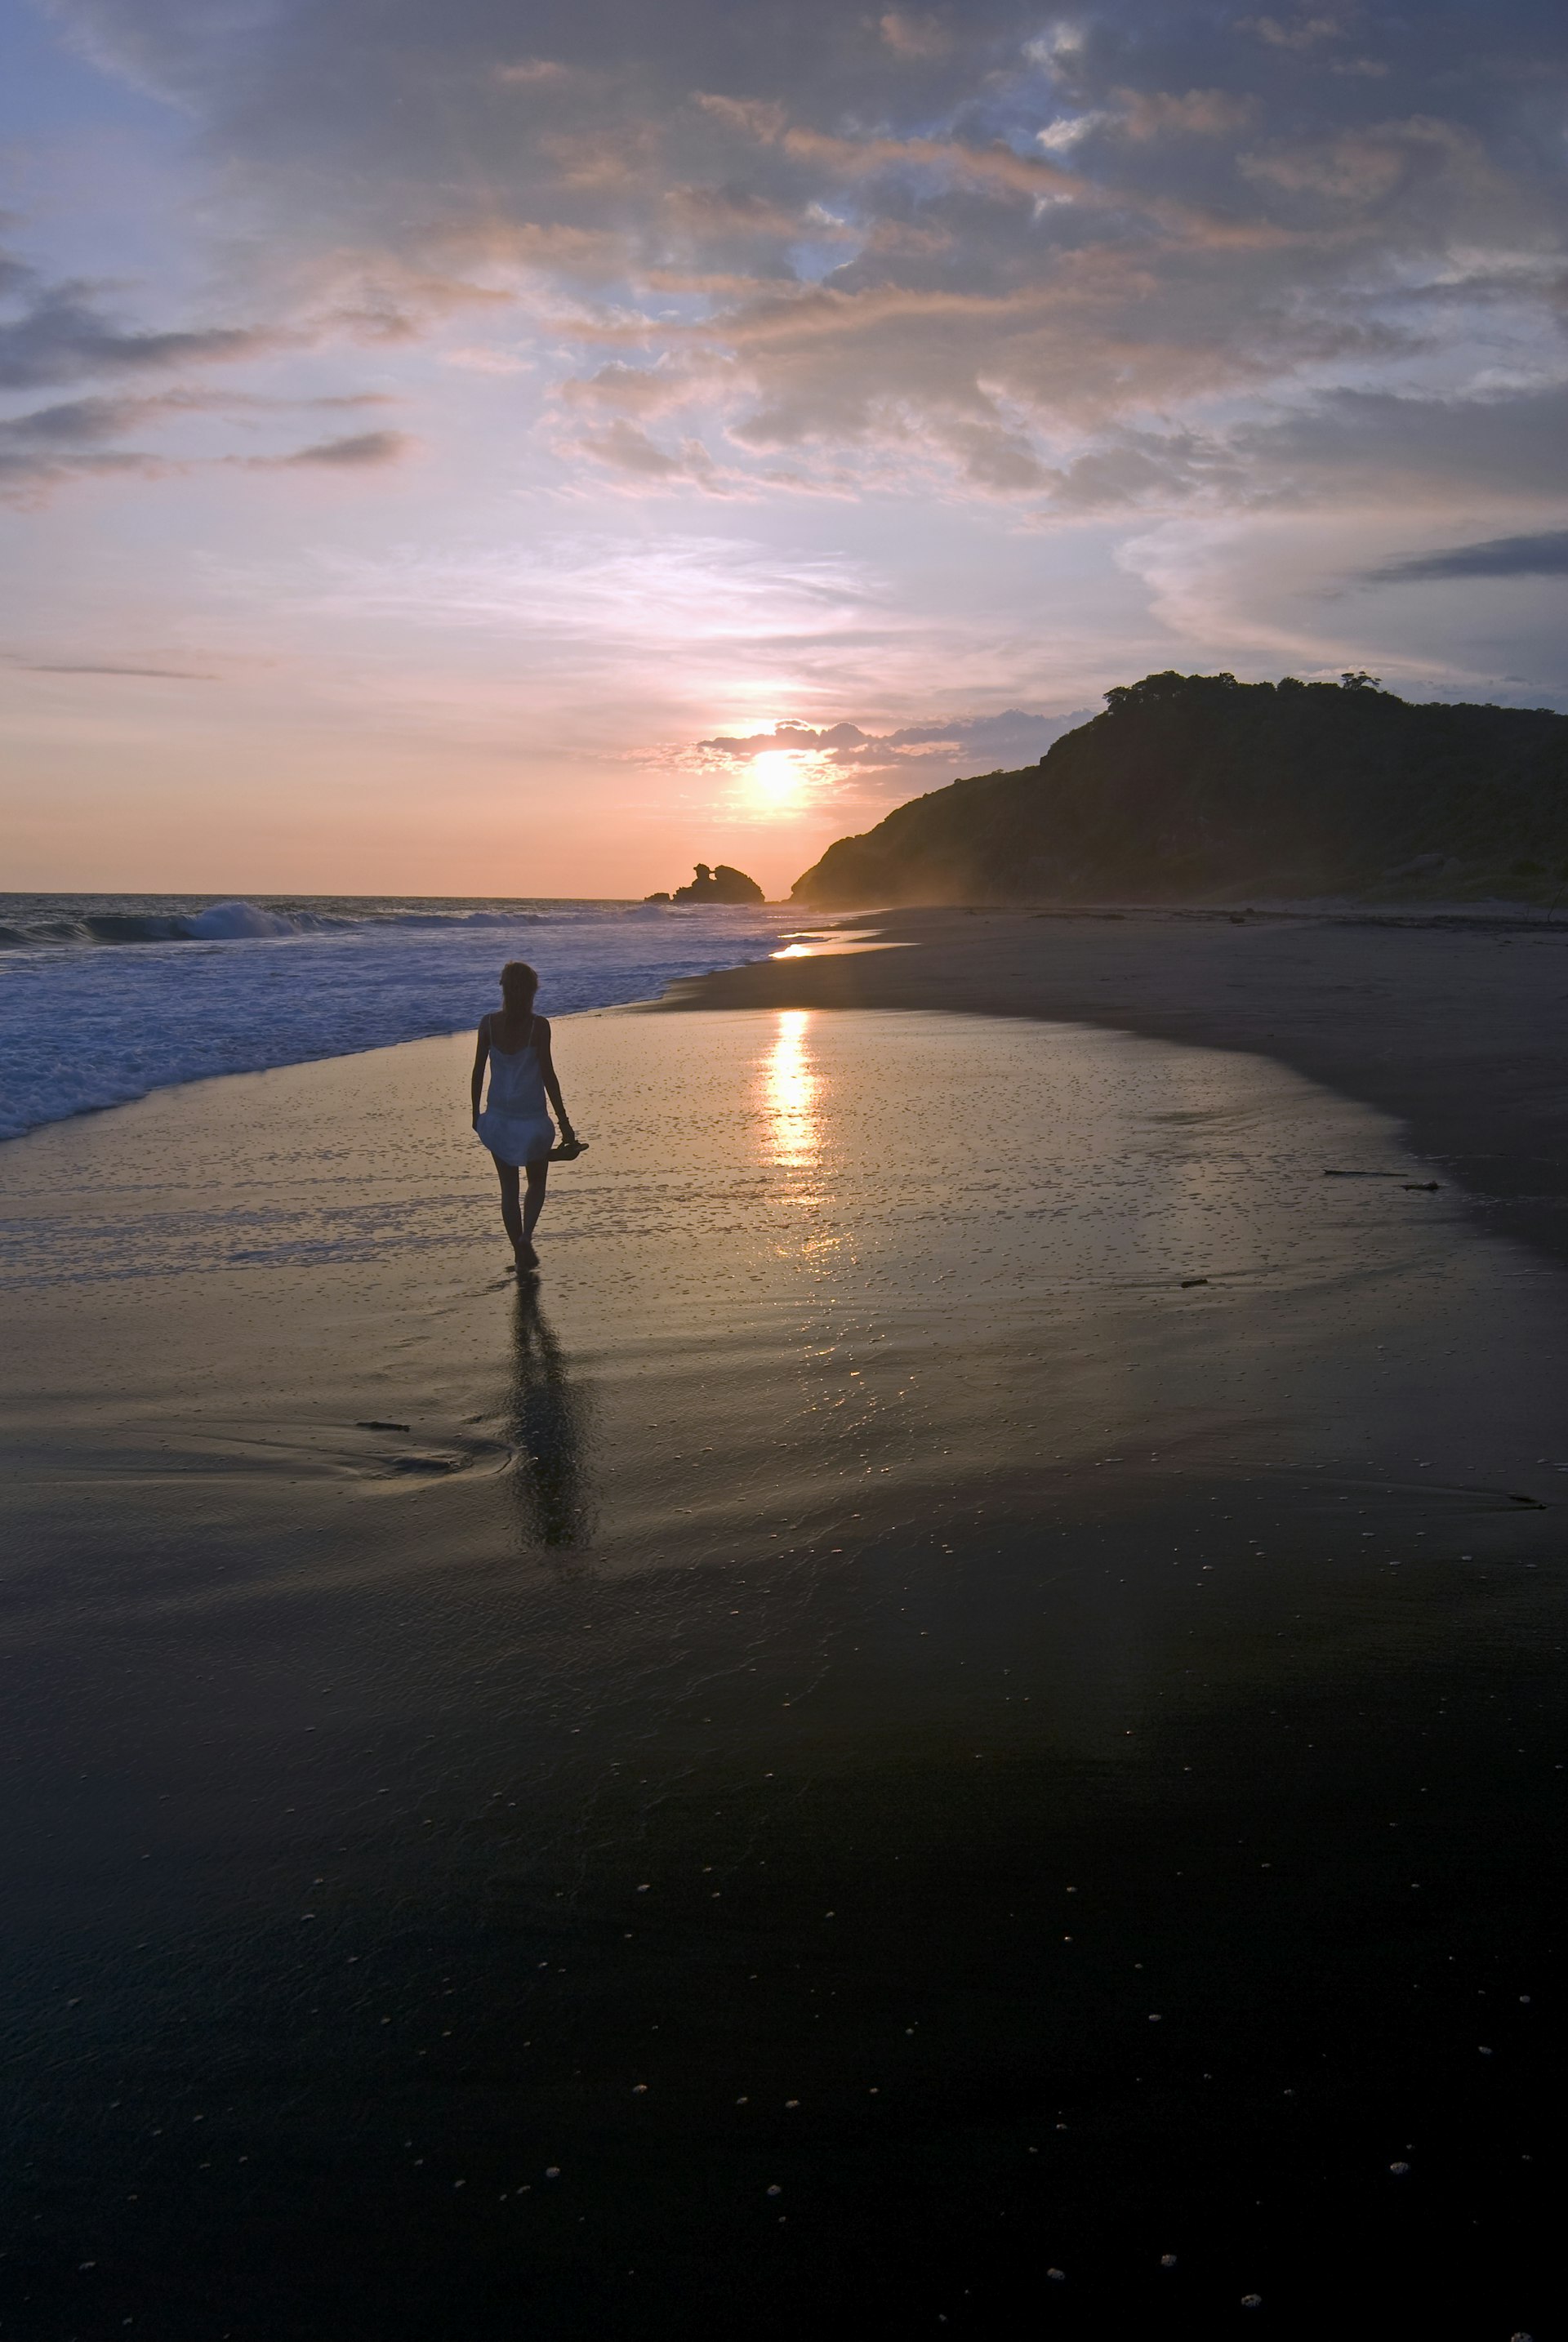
(967, 1700)
(1454, 1022)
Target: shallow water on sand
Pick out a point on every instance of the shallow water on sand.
(967, 1697)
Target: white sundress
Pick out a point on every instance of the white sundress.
(515, 1125)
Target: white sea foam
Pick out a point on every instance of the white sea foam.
(101, 1002)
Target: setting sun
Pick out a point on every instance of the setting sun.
(777, 779)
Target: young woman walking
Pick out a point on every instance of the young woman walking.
(515, 1125)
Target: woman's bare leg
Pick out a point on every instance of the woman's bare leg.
(533, 1205)
(510, 1212)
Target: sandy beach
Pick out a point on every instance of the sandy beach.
(965, 1707)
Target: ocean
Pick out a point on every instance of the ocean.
(104, 997)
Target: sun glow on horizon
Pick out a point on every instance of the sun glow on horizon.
(777, 780)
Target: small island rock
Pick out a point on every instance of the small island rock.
(720, 886)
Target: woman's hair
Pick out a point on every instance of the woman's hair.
(519, 983)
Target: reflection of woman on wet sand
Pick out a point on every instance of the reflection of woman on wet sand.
(548, 1432)
(514, 1124)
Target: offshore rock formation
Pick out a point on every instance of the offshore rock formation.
(721, 885)
(1194, 787)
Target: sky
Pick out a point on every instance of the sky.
(524, 446)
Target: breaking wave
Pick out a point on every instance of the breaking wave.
(231, 922)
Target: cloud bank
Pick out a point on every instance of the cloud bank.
(1159, 258)
(1545, 556)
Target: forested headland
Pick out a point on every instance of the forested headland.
(1194, 787)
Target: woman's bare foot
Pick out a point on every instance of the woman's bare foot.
(527, 1260)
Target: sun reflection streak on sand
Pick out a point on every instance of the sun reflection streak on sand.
(791, 1090)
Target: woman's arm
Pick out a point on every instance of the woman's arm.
(547, 1067)
(480, 1054)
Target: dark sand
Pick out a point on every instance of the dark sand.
(874, 1758)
